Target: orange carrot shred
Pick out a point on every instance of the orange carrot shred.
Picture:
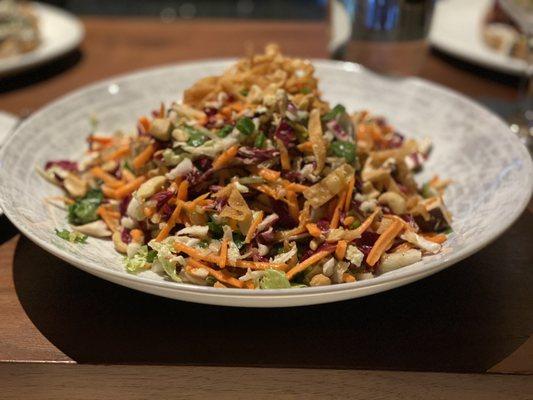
(163, 233)
(128, 188)
(108, 179)
(307, 263)
(340, 250)
(334, 223)
(121, 152)
(383, 243)
(222, 276)
(292, 202)
(313, 230)
(145, 123)
(226, 157)
(143, 157)
(349, 194)
(183, 190)
(110, 220)
(223, 253)
(269, 174)
(137, 235)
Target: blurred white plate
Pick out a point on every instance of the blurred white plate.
(61, 32)
(491, 170)
(457, 30)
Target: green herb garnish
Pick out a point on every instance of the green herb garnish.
(83, 210)
(344, 149)
(196, 137)
(338, 109)
(225, 131)
(244, 92)
(216, 229)
(245, 125)
(238, 239)
(260, 140)
(305, 90)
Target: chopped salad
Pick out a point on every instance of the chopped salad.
(253, 181)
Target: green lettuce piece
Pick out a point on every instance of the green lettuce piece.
(170, 158)
(83, 210)
(273, 279)
(138, 262)
(335, 111)
(225, 131)
(73, 237)
(196, 138)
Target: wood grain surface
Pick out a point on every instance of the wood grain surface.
(465, 319)
(84, 382)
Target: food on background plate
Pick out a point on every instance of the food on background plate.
(19, 30)
(501, 34)
(254, 181)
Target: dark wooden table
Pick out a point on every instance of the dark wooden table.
(456, 332)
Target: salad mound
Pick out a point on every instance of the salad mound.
(253, 181)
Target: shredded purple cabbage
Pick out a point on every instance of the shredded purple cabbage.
(63, 164)
(123, 207)
(162, 197)
(285, 133)
(252, 155)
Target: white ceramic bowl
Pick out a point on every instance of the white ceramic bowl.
(491, 170)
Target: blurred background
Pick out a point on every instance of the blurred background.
(187, 9)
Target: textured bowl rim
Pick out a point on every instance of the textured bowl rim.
(380, 283)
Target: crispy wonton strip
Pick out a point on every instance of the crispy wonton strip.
(307, 263)
(253, 227)
(110, 220)
(438, 238)
(317, 139)
(383, 243)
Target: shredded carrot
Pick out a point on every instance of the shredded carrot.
(145, 123)
(348, 221)
(340, 250)
(383, 243)
(307, 263)
(349, 193)
(334, 223)
(129, 187)
(253, 227)
(137, 235)
(108, 179)
(306, 147)
(268, 190)
(183, 190)
(144, 156)
(128, 175)
(191, 252)
(292, 202)
(284, 155)
(163, 233)
(223, 253)
(190, 205)
(313, 230)
(295, 187)
(439, 238)
(269, 174)
(103, 140)
(110, 220)
(258, 265)
(108, 192)
(121, 152)
(149, 211)
(346, 278)
(222, 276)
(367, 222)
(162, 110)
(226, 157)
